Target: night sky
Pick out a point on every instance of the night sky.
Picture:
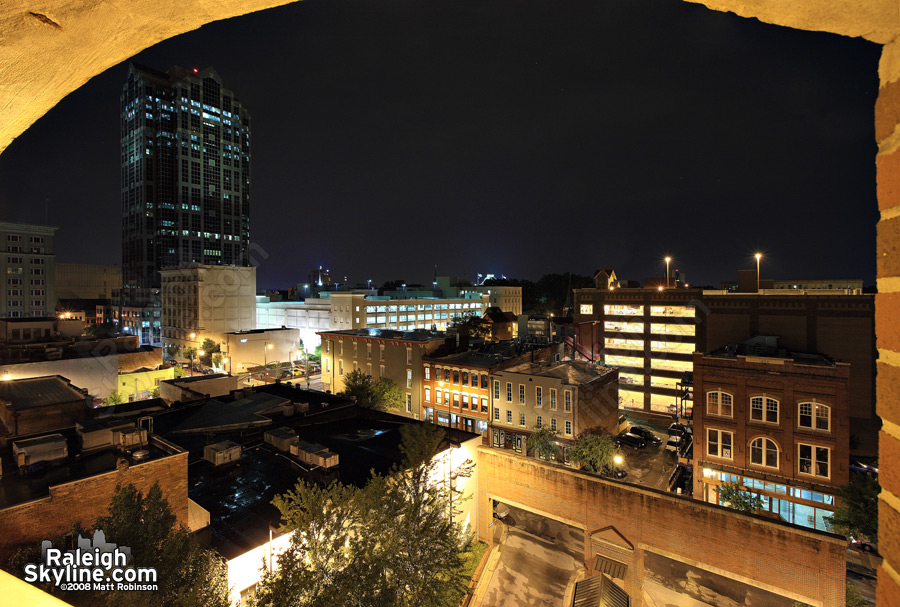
(519, 137)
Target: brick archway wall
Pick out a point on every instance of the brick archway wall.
(51, 47)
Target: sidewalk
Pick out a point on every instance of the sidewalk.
(484, 580)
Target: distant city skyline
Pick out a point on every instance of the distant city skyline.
(529, 138)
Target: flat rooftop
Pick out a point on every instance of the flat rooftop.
(767, 347)
(36, 392)
(16, 488)
(419, 335)
(488, 355)
(238, 495)
(572, 372)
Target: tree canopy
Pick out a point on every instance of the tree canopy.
(543, 443)
(472, 325)
(857, 512)
(391, 543)
(735, 496)
(594, 452)
(381, 394)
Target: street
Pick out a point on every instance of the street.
(650, 466)
(536, 562)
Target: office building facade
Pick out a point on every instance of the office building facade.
(185, 158)
(27, 263)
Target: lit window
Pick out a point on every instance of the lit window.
(538, 396)
(427, 394)
(409, 378)
(553, 398)
(587, 309)
(427, 372)
(815, 416)
(764, 452)
(496, 390)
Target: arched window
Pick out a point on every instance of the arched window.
(815, 416)
(764, 452)
(764, 409)
(718, 403)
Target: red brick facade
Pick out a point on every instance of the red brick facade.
(86, 499)
(803, 565)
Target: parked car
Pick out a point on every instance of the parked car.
(677, 429)
(631, 440)
(673, 444)
(863, 546)
(617, 473)
(646, 433)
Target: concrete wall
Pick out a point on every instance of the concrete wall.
(251, 349)
(799, 564)
(86, 499)
(183, 391)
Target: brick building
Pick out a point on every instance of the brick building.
(651, 334)
(569, 397)
(396, 355)
(776, 422)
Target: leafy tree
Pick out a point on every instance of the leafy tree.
(735, 496)
(217, 359)
(392, 543)
(209, 347)
(854, 598)
(543, 442)
(595, 452)
(103, 330)
(171, 351)
(114, 398)
(857, 511)
(154, 393)
(380, 394)
(471, 325)
(187, 574)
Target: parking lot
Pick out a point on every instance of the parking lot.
(650, 466)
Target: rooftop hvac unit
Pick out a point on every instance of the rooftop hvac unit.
(222, 453)
(50, 448)
(126, 438)
(280, 438)
(100, 435)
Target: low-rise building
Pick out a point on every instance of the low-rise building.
(141, 383)
(570, 397)
(389, 353)
(36, 329)
(41, 404)
(246, 350)
(456, 387)
(775, 422)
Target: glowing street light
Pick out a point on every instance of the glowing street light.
(758, 257)
(618, 459)
(668, 261)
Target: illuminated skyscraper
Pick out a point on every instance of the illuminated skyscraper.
(185, 154)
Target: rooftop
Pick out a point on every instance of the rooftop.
(488, 355)
(572, 372)
(260, 331)
(766, 346)
(419, 335)
(39, 392)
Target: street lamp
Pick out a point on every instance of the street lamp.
(266, 362)
(668, 261)
(758, 257)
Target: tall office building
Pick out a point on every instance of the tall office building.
(29, 269)
(185, 173)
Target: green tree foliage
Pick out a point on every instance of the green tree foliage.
(594, 452)
(104, 330)
(381, 394)
(735, 496)
(392, 543)
(171, 351)
(547, 295)
(217, 359)
(471, 325)
(854, 598)
(209, 347)
(543, 443)
(857, 511)
(187, 574)
(114, 398)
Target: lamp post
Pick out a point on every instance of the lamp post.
(668, 261)
(758, 257)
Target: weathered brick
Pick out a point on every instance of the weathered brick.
(887, 591)
(888, 247)
(887, 321)
(888, 532)
(809, 564)
(887, 179)
(887, 110)
(888, 391)
(889, 474)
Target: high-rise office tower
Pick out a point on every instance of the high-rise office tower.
(185, 173)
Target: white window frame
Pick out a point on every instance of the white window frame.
(764, 463)
(813, 415)
(719, 396)
(813, 460)
(764, 412)
(720, 450)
